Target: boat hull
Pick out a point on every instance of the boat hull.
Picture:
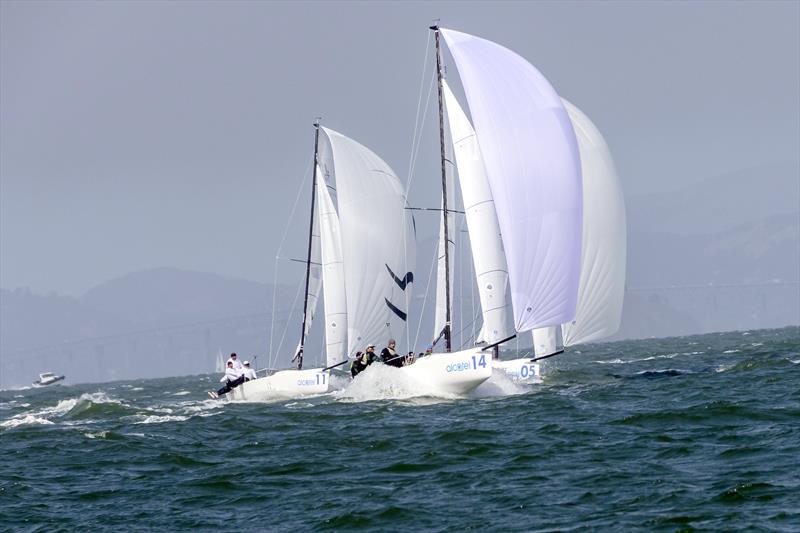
(46, 383)
(520, 369)
(283, 384)
(453, 373)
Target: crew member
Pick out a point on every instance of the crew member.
(249, 373)
(237, 365)
(231, 379)
(389, 356)
(362, 360)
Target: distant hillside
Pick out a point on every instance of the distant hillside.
(760, 251)
(165, 297)
(720, 203)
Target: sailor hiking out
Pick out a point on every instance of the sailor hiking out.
(237, 365)
(231, 379)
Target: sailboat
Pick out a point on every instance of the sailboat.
(219, 364)
(360, 259)
(520, 174)
(603, 254)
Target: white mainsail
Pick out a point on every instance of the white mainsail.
(491, 272)
(314, 279)
(603, 255)
(531, 158)
(377, 241)
(441, 286)
(332, 272)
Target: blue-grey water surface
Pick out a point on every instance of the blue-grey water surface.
(689, 433)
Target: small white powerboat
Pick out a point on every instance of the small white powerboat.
(47, 378)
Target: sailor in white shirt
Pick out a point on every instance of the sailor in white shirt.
(231, 379)
(249, 373)
(237, 365)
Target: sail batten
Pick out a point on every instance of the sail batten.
(531, 159)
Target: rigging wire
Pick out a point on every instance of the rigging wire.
(419, 124)
(425, 298)
(273, 356)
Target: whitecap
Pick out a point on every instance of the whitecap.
(298, 405)
(502, 384)
(96, 435)
(157, 419)
(730, 351)
(24, 421)
(182, 393)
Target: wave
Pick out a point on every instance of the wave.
(158, 419)
(651, 358)
(500, 384)
(27, 420)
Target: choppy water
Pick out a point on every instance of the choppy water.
(669, 434)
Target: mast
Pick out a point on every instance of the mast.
(299, 355)
(446, 332)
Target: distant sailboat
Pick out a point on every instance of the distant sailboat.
(219, 365)
(519, 171)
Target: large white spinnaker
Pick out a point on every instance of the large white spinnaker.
(332, 273)
(531, 158)
(377, 240)
(491, 272)
(604, 248)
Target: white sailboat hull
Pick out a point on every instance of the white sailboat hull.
(520, 369)
(452, 373)
(283, 384)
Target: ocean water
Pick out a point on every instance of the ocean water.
(679, 434)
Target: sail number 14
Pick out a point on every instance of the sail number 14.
(465, 365)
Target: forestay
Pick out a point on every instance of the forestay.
(332, 269)
(377, 241)
(602, 279)
(531, 158)
(484, 232)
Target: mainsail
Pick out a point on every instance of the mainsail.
(332, 271)
(314, 279)
(377, 240)
(484, 232)
(531, 158)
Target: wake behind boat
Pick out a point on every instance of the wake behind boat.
(46, 379)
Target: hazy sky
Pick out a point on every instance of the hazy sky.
(147, 134)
